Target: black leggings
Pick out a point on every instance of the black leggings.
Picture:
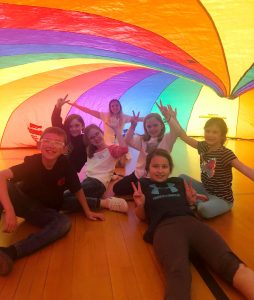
(173, 240)
(123, 186)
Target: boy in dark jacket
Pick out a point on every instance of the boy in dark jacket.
(34, 190)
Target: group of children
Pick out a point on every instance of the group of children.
(46, 184)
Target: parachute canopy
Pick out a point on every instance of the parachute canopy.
(195, 55)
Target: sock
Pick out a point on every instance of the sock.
(10, 251)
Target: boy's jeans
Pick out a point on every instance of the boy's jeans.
(53, 225)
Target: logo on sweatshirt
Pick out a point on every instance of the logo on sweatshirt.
(61, 181)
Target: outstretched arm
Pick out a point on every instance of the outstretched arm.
(170, 116)
(116, 127)
(89, 111)
(83, 202)
(9, 216)
(183, 136)
(56, 118)
(241, 167)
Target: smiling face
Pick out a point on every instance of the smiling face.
(213, 136)
(159, 168)
(115, 107)
(52, 146)
(153, 127)
(75, 127)
(96, 138)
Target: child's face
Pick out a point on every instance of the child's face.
(213, 136)
(159, 169)
(52, 146)
(115, 107)
(153, 127)
(95, 137)
(75, 128)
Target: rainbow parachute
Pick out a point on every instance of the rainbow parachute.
(196, 55)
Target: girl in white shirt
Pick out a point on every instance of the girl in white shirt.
(154, 137)
(101, 161)
(114, 114)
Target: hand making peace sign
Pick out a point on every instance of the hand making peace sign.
(134, 118)
(138, 196)
(166, 111)
(62, 101)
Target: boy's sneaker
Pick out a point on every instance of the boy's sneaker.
(6, 263)
(117, 204)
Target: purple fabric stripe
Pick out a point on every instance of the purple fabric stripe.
(242, 90)
(63, 38)
(98, 97)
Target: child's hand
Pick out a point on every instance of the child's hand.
(62, 101)
(191, 194)
(171, 112)
(202, 197)
(138, 196)
(9, 221)
(162, 108)
(95, 216)
(134, 119)
(166, 111)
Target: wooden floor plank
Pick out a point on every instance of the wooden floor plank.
(91, 275)
(146, 271)
(123, 277)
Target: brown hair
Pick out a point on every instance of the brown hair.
(115, 100)
(159, 152)
(56, 130)
(221, 124)
(146, 136)
(91, 149)
(69, 119)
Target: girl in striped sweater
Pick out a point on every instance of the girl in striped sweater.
(216, 162)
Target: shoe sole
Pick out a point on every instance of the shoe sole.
(5, 264)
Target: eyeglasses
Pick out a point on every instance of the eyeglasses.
(54, 143)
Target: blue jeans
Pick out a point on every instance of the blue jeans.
(93, 190)
(53, 225)
(215, 206)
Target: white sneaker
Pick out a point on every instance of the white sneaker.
(117, 204)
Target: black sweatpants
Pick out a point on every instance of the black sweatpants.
(174, 238)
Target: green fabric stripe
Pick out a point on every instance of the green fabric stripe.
(180, 92)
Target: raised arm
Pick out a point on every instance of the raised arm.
(241, 167)
(87, 110)
(9, 216)
(170, 116)
(134, 120)
(56, 119)
(122, 146)
(182, 134)
(139, 199)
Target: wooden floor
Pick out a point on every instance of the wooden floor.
(109, 260)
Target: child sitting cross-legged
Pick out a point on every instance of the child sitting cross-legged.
(34, 191)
